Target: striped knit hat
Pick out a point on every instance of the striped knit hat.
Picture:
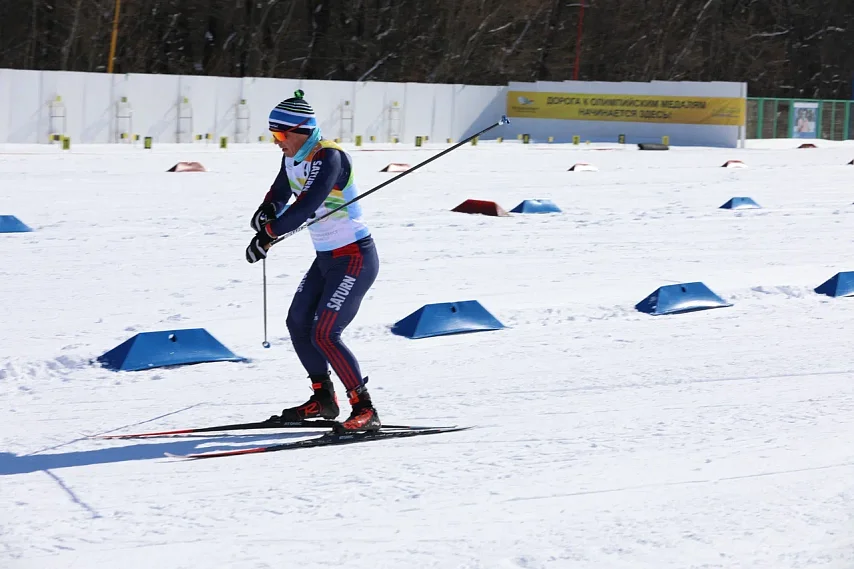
(293, 115)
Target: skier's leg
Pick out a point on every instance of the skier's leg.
(300, 321)
(323, 403)
(349, 273)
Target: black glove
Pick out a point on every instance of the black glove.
(258, 247)
(265, 213)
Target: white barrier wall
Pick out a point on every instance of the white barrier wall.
(21, 107)
(477, 101)
(96, 107)
(99, 108)
(563, 130)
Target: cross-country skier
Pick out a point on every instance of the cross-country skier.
(319, 173)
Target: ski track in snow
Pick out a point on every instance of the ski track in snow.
(605, 438)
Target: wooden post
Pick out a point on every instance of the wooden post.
(114, 38)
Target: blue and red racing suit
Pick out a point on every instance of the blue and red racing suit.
(329, 295)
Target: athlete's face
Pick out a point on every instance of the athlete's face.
(289, 142)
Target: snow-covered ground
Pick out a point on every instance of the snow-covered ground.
(606, 438)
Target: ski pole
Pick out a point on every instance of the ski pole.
(265, 343)
(503, 121)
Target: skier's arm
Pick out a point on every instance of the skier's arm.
(280, 192)
(274, 202)
(324, 171)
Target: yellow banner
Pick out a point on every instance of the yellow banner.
(627, 108)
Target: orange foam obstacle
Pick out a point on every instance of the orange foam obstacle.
(396, 167)
(482, 207)
(583, 167)
(734, 164)
(807, 145)
(187, 167)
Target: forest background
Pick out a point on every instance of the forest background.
(782, 48)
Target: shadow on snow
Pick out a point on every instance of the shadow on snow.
(23, 464)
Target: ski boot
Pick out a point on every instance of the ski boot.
(323, 404)
(363, 417)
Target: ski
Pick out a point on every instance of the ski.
(327, 439)
(267, 424)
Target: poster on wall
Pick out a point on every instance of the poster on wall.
(726, 111)
(804, 123)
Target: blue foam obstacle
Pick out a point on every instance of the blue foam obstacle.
(167, 348)
(679, 298)
(840, 284)
(536, 206)
(11, 224)
(446, 318)
(740, 203)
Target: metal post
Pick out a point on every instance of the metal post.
(760, 118)
(578, 42)
(265, 343)
(742, 128)
(818, 120)
(776, 113)
(832, 120)
(847, 125)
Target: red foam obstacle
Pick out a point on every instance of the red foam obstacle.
(734, 164)
(583, 167)
(396, 167)
(807, 145)
(482, 207)
(187, 167)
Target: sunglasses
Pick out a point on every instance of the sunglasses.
(279, 135)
